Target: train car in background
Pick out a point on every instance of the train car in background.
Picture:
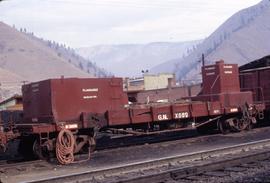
(255, 77)
(8, 120)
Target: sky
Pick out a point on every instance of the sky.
(83, 23)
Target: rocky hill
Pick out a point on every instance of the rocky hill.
(242, 38)
(131, 59)
(24, 57)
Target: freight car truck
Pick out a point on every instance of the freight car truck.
(63, 116)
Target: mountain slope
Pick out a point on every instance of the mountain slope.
(130, 60)
(242, 38)
(30, 59)
(24, 57)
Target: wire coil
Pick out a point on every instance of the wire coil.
(65, 147)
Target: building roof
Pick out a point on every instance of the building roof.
(11, 98)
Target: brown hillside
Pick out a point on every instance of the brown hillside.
(24, 58)
(30, 59)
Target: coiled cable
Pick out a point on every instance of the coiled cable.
(65, 147)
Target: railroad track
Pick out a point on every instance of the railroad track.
(174, 168)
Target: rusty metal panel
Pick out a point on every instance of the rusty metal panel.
(264, 84)
(229, 110)
(37, 102)
(62, 100)
(227, 99)
(199, 109)
(161, 113)
(215, 108)
(140, 115)
(249, 80)
(236, 99)
(220, 78)
(37, 128)
(118, 117)
(181, 111)
(255, 77)
(91, 120)
(257, 81)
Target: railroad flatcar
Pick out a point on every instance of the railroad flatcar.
(62, 116)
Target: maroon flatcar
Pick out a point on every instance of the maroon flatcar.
(63, 116)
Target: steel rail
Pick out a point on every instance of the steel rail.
(181, 173)
(155, 163)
